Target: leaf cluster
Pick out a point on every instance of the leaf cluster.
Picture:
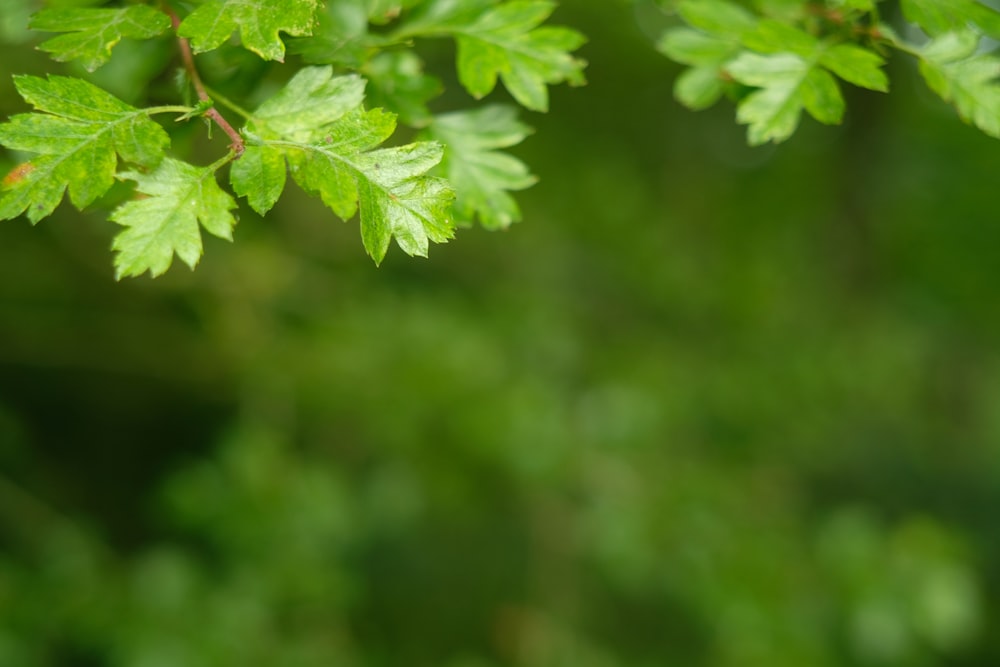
(355, 75)
(779, 58)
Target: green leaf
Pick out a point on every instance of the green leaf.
(770, 36)
(857, 5)
(259, 22)
(506, 42)
(784, 10)
(75, 140)
(702, 85)
(969, 81)
(788, 84)
(340, 36)
(481, 175)
(166, 222)
(717, 17)
(691, 47)
(396, 81)
(856, 65)
(94, 32)
(311, 100)
(937, 17)
(330, 147)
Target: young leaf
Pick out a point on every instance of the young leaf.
(506, 41)
(480, 174)
(787, 84)
(969, 81)
(94, 32)
(317, 125)
(259, 22)
(75, 140)
(165, 222)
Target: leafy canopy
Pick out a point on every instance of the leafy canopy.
(780, 58)
(318, 126)
(332, 121)
(331, 125)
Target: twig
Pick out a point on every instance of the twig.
(236, 141)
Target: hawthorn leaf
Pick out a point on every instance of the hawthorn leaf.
(482, 175)
(771, 36)
(340, 36)
(259, 175)
(331, 148)
(258, 21)
(856, 65)
(969, 81)
(166, 221)
(938, 17)
(859, 5)
(787, 84)
(700, 86)
(692, 47)
(311, 99)
(717, 17)
(93, 32)
(505, 41)
(75, 138)
(397, 82)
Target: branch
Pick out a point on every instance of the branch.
(236, 141)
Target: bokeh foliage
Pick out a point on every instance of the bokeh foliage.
(707, 406)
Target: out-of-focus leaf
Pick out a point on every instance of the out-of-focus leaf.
(482, 175)
(94, 32)
(508, 42)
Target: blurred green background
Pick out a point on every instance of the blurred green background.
(708, 406)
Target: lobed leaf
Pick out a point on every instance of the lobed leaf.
(341, 35)
(938, 17)
(482, 175)
(311, 100)
(505, 42)
(166, 221)
(717, 17)
(856, 65)
(93, 32)
(787, 84)
(790, 67)
(259, 23)
(76, 138)
(703, 84)
(397, 82)
(331, 150)
(969, 81)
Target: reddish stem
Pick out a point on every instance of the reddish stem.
(236, 141)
